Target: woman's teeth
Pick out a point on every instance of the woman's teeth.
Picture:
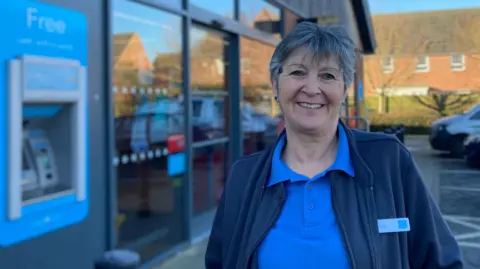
(311, 106)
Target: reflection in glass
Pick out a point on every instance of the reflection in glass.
(210, 169)
(149, 127)
(210, 106)
(223, 7)
(260, 15)
(209, 89)
(260, 112)
(289, 21)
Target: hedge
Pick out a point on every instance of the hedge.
(414, 124)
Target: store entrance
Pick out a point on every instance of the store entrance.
(149, 128)
(209, 62)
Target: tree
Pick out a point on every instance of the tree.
(444, 103)
(392, 45)
(384, 81)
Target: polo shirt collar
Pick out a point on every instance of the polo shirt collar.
(280, 171)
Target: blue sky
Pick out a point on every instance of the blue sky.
(395, 6)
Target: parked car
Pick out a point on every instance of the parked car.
(449, 133)
(472, 150)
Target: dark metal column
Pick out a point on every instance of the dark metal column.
(235, 92)
(188, 114)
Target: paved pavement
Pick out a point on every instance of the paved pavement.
(455, 187)
(191, 258)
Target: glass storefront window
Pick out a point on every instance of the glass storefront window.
(260, 112)
(208, 82)
(260, 15)
(208, 74)
(149, 128)
(210, 169)
(224, 7)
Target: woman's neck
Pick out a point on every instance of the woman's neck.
(302, 149)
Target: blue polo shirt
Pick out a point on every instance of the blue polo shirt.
(306, 235)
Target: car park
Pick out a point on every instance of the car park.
(449, 133)
(472, 150)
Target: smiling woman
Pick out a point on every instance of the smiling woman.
(311, 73)
(326, 196)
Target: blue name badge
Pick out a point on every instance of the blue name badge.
(393, 225)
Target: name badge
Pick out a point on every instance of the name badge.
(393, 225)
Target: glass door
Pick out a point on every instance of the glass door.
(149, 128)
(209, 60)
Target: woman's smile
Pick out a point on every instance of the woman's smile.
(310, 105)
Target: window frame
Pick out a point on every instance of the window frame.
(245, 65)
(387, 69)
(457, 66)
(422, 67)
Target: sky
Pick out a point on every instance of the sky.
(396, 6)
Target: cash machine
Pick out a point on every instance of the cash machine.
(43, 150)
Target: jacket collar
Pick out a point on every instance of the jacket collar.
(363, 174)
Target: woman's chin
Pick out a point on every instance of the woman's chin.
(309, 126)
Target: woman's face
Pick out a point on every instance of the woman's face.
(310, 91)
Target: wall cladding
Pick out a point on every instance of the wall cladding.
(328, 12)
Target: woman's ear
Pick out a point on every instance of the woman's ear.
(275, 88)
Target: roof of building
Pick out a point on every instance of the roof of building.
(364, 23)
(431, 32)
(120, 42)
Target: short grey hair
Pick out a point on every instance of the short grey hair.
(321, 41)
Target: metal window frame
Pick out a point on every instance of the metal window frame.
(111, 196)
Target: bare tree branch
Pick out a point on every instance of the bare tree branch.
(393, 42)
(442, 103)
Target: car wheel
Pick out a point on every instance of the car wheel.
(455, 146)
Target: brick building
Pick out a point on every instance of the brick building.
(421, 52)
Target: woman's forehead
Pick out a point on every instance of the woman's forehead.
(306, 58)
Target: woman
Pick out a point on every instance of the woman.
(326, 196)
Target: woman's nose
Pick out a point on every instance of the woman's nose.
(312, 85)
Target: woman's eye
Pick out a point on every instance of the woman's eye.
(327, 76)
(297, 73)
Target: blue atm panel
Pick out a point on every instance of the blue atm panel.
(43, 152)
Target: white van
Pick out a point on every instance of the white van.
(449, 133)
